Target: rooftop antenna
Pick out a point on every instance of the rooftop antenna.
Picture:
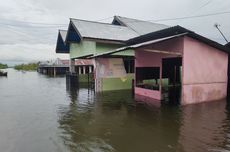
(216, 25)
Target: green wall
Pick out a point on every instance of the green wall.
(101, 48)
(82, 49)
(85, 48)
(109, 84)
(90, 47)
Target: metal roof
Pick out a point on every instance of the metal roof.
(163, 35)
(139, 26)
(176, 30)
(126, 29)
(65, 63)
(81, 62)
(54, 63)
(137, 45)
(103, 31)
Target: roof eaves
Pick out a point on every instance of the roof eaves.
(56, 50)
(209, 42)
(175, 30)
(136, 46)
(227, 45)
(112, 41)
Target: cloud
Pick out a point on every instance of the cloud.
(28, 52)
(21, 40)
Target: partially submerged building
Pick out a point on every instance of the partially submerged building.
(84, 67)
(166, 63)
(176, 63)
(54, 67)
(87, 38)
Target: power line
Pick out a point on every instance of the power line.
(48, 25)
(207, 3)
(189, 17)
(30, 26)
(33, 23)
(22, 24)
(199, 8)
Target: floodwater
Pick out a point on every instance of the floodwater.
(38, 114)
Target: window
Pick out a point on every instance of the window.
(129, 65)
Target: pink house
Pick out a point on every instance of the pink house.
(178, 65)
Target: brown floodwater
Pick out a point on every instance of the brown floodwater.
(40, 114)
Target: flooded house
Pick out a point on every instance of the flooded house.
(89, 38)
(179, 65)
(53, 67)
(84, 67)
(159, 62)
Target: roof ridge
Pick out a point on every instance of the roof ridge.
(108, 24)
(139, 20)
(91, 21)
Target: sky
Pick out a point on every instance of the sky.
(29, 28)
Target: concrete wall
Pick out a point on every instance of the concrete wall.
(204, 74)
(82, 49)
(91, 47)
(87, 47)
(109, 84)
(110, 76)
(149, 59)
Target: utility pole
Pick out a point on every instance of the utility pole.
(217, 26)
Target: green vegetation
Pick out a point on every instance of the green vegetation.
(27, 67)
(3, 66)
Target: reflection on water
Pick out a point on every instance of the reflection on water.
(39, 113)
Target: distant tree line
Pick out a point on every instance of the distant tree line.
(26, 67)
(3, 66)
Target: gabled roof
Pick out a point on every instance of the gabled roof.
(80, 62)
(163, 35)
(120, 30)
(176, 30)
(61, 46)
(102, 31)
(139, 26)
(135, 46)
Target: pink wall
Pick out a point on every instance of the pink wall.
(150, 59)
(204, 72)
(154, 94)
(204, 69)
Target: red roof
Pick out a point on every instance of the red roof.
(79, 62)
(83, 62)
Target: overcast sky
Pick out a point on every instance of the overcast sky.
(29, 27)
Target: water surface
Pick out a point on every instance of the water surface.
(39, 114)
